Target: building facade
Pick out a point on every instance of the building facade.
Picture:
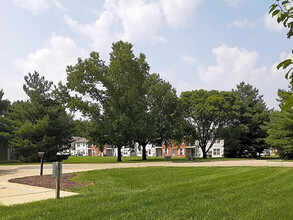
(80, 147)
(184, 150)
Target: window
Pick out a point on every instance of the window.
(150, 152)
(173, 152)
(94, 151)
(181, 151)
(217, 151)
(166, 152)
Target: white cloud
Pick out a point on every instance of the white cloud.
(179, 13)
(271, 23)
(233, 3)
(12, 86)
(245, 23)
(234, 65)
(135, 21)
(140, 20)
(189, 60)
(51, 61)
(35, 6)
(132, 20)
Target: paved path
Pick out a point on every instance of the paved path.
(13, 193)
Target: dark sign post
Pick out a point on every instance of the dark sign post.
(41, 155)
(57, 173)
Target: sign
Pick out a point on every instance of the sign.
(41, 154)
(57, 169)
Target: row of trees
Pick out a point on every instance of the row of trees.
(122, 103)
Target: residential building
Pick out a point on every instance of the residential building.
(184, 150)
(80, 147)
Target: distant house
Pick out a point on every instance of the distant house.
(80, 147)
(193, 150)
(184, 150)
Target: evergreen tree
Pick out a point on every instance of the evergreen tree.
(39, 124)
(280, 128)
(247, 135)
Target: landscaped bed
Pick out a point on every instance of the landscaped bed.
(170, 193)
(49, 181)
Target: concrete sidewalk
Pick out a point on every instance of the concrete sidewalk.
(13, 193)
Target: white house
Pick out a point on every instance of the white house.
(217, 150)
(80, 147)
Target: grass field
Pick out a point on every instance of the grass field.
(171, 193)
(90, 159)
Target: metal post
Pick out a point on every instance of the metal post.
(58, 174)
(42, 163)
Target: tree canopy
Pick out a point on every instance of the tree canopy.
(280, 129)
(245, 137)
(39, 124)
(207, 113)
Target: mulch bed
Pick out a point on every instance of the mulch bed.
(48, 181)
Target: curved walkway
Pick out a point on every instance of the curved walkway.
(13, 193)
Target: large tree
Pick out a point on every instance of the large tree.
(39, 124)
(112, 98)
(162, 115)
(125, 107)
(207, 113)
(247, 134)
(84, 93)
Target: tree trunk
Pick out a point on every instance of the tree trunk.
(204, 153)
(119, 159)
(144, 156)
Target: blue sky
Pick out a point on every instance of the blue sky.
(193, 44)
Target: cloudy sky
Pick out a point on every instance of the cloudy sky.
(193, 44)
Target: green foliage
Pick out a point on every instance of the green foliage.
(283, 11)
(280, 128)
(245, 136)
(40, 124)
(122, 102)
(207, 114)
(280, 133)
(164, 108)
(4, 126)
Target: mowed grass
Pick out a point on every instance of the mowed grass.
(171, 193)
(90, 159)
(137, 159)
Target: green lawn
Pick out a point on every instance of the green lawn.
(171, 193)
(89, 159)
